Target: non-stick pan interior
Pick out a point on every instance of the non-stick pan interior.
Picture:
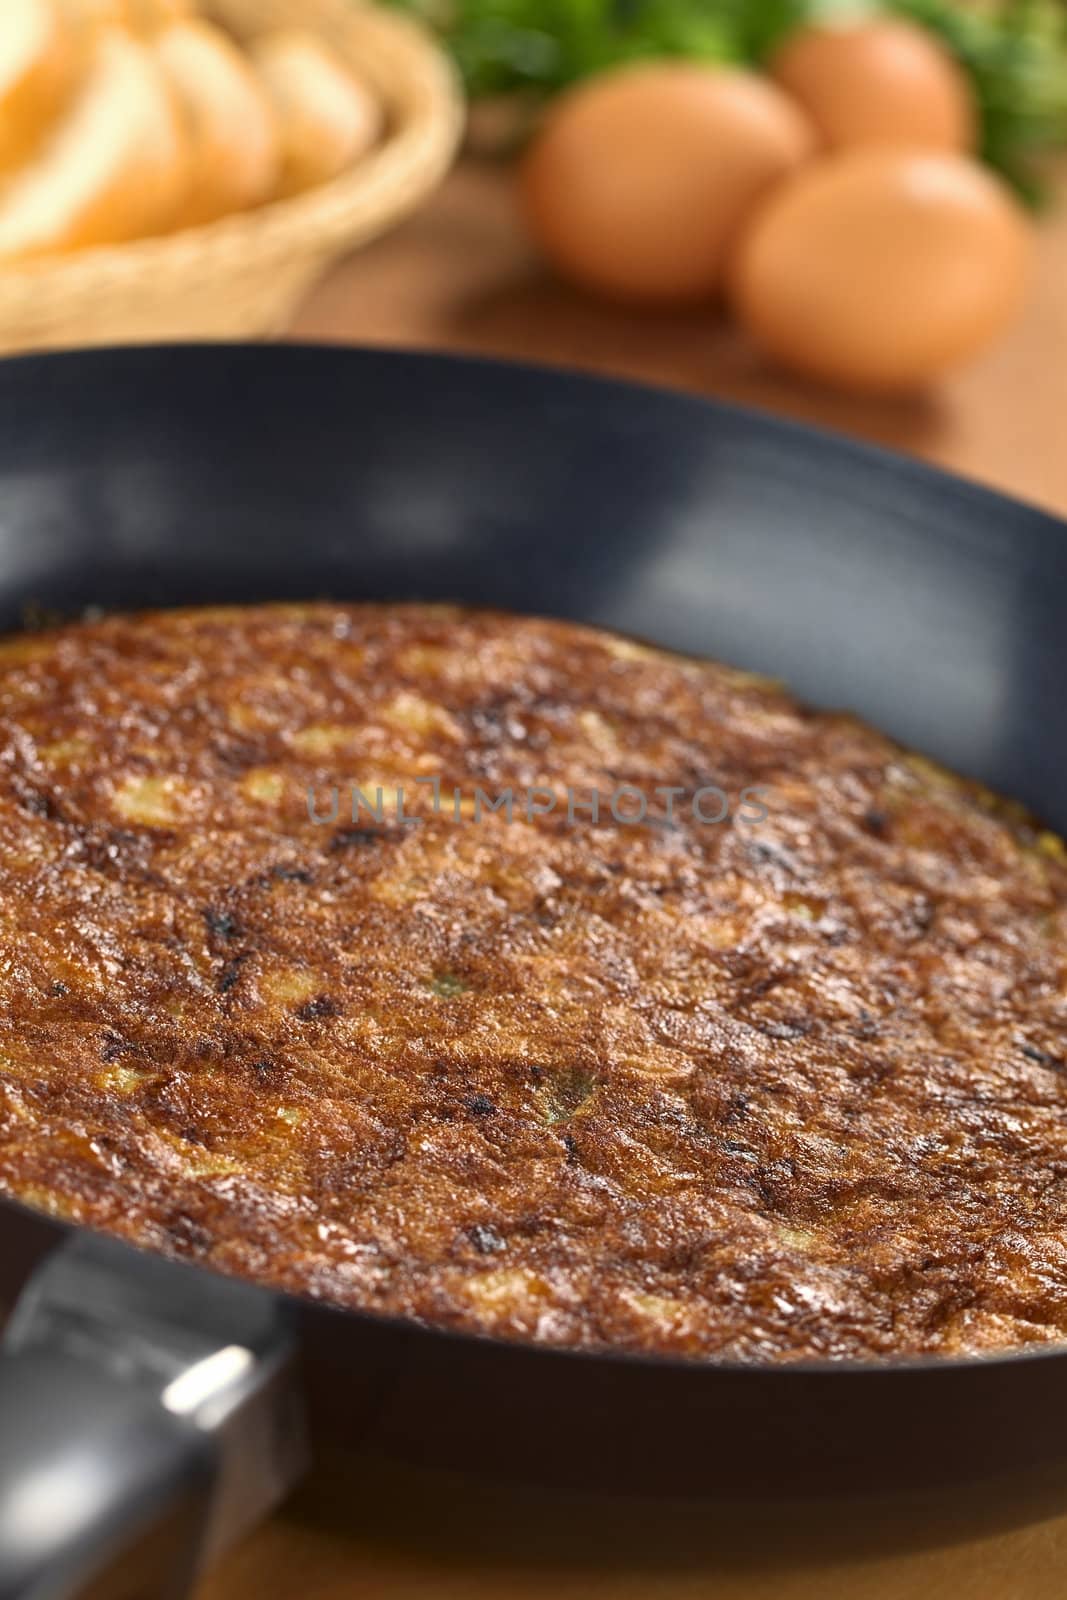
(158, 477)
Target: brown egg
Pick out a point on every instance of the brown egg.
(881, 81)
(637, 180)
(880, 269)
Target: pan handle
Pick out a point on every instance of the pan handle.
(149, 1415)
(92, 1479)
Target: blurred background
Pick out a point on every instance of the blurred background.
(850, 213)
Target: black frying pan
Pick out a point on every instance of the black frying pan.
(149, 1411)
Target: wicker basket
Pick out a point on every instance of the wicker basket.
(244, 276)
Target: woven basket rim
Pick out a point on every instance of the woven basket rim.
(413, 156)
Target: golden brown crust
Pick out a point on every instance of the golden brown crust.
(788, 1089)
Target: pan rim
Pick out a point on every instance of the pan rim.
(933, 483)
(602, 1357)
(564, 376)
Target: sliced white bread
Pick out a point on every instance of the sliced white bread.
(147, 15)
(328, 118)
(141, 15)
(229, 118)
(98, 13)
(115, 166)
(38, 62)
(169, 10)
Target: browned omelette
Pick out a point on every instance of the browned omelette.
(757, 1089)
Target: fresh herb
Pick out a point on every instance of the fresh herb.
(1014, 50)
(507, 45)
(1016, 54)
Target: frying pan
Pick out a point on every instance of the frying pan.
(151, 1410)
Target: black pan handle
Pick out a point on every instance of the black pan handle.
(148, 1415)
(100, 1492)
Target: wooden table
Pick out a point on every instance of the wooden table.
(460, 277)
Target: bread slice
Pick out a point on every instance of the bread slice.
(147, 15)
(141, 15)
(159, 12)
(37, 68)
(229, 118)
(87, 14)
(328, 118)
(116, 166)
